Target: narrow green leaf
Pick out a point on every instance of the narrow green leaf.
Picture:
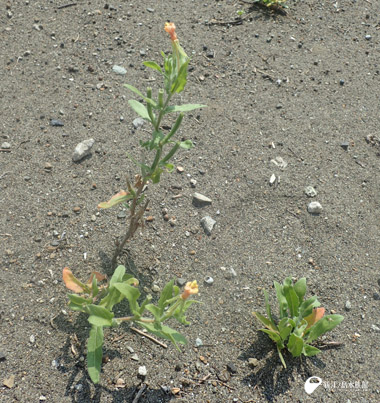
(153, 65)
(267, 306)
(281, 356)
(156, 311)
(283, 305)
(324, 325)
(273, 335)
(139, 108)
(183, 108)
(285, 327)
(76, 299)
(118, 275)
(140, 94)
(129, 292)
(309, 351)
(295, 345)
(266, 322)
(292, 300)
(300, 289)
(95, 353)
(94, 286)
(118, 198)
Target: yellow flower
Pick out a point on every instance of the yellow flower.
(191, 288)
(170, 29)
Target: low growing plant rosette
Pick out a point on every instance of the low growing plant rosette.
(98, 302)
(300, 322)
(161, 145)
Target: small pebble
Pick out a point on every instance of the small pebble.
(5, 145)
(231, 367)
(368, 37)
(375, 328)
(253, 362)
(135, 357)
(209, 280)
(142, 371)
(156, 288)
(198, 342)
(208, 224)
(181, 282)
(119, 70)
(138, 122)
(2, 356)
(310, 191)
(376, 296)
(56, 122)
(314, 208)
(122, 214)
(200, 201)
(180, 169)
(82, 150)
(347, 306)
(345, 145)
(32, 339)
(193, 183)
(130, 349)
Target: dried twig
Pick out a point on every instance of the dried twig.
(66, 5)
(139, 393)
(149, 337)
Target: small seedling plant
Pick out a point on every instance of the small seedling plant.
(300, 322)
(98, 301)
(161, 145)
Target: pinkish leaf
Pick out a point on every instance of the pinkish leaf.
(315, 316)
(71, 282)
(99, 277)
(120, 197)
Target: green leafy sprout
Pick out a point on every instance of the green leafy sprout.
(300, 322)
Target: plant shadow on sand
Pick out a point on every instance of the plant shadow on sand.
(269, 375)
(71, 358)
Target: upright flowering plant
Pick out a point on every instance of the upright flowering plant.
(98, 300)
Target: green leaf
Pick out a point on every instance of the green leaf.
(131, 293)
(139, 108)
(181, 80)
(94, 286)
(95, 353)
(309, 351)
(166, 293)
(76, 299)
(281, 357)
(183, 108)
(155, 310)
(169, 166)
(118, 275)
(273, 335)
(283, 305)
(99, 316)
(307, 306)
(153, 65)
(165, 332)
(140, 94)
(179, 314)
(324, 325)
(266, 322)
(295, 345)
(267, 306)
(187, 144)
(292, 300)
(285, 327)
(300, 288)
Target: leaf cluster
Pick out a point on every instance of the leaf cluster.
(300, 322)
(98, 302)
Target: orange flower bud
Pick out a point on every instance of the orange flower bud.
(191, 288)
(170, 29)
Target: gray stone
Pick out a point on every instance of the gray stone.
(138, 122)
(200, 200)
(119, 70)
(135, 357)
(83, 149)
(347, 306)
(208, 224)
(375, 328)
(310, 191)
(56, 122)
(314, 208)
(181, 282)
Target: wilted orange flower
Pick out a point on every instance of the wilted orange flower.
(191, 288)
(170, 29)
